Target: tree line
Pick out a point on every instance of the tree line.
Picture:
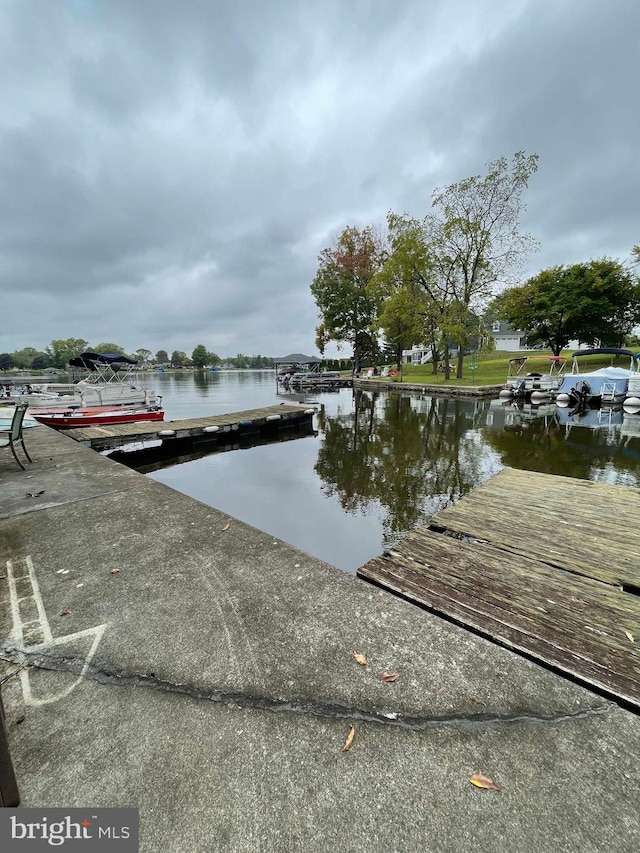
(432, 280)
(59, 352)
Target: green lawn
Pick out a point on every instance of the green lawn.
(492, 368)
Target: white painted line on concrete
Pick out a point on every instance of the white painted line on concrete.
(24, 569)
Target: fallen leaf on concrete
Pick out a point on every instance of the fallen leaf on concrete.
(66, 613)
(388, 676)
(475, 700)
(361, 659)
(481, 781)
(442, 689)
(35, 494)
(114, 571)
(349, 741)
(630, 636)
(226, 527)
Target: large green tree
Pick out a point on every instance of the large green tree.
(60, 351)
(597, 303)
(340, 288)
(406, 290)
(162, 356)
(24, 358)
(109, 348)
(199, 356)
(474, 233)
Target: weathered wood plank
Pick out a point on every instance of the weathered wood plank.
(579, 526)
(555, 597)
(573, 623)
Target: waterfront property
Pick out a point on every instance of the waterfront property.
(159, 653)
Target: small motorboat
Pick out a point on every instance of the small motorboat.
(533, 377)
(74, 417)
(111, 382)
(605, 385)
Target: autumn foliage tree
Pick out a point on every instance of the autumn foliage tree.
(346, 307)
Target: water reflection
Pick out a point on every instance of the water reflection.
(591, 443)
(408, 455)
(146, 457)
(382, 463)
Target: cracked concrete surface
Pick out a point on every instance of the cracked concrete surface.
(221, 690)
(289, 705)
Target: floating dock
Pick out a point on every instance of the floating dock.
(382, 384)
(548, 566)
(257, 422)
(319, 382)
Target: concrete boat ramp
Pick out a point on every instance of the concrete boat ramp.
(159, 654)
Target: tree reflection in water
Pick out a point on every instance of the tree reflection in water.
(405, 458)
(410, 455)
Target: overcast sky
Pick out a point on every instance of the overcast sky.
(169, 171)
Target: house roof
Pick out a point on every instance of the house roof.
(297, 358)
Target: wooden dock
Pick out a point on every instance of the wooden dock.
(548, 566)
(259, 422)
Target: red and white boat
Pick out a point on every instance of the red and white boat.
(85, 416)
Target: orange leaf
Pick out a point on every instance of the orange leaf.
(349, 741)
(361, 659)
(226, 527)
(630, 636)
(481, 781)
(475, 700)
(388, 676)
(66, 613)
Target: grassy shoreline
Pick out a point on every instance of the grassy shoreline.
(492, 368)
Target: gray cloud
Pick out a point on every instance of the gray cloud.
(169, 172)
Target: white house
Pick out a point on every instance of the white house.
(418, 354)
(507, 338)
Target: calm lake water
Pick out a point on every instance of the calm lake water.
(379, 464)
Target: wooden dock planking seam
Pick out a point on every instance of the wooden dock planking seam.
(542, 650)
(590, 531)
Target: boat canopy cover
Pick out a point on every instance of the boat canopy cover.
(604, 351)
(89, 360)
(523, 358)
(606, 372)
